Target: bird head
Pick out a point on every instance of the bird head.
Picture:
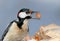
(25, 13)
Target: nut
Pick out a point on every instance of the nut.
(38, 15)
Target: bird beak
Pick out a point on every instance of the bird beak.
(37, 14)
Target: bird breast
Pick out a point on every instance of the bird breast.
(15, 34)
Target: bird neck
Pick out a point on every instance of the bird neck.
(22, 23)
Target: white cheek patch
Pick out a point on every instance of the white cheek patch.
(23, 15)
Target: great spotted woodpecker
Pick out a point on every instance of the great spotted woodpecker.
(18, 29)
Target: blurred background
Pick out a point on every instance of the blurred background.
(49, 9)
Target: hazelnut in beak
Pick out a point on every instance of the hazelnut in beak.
(38, 15)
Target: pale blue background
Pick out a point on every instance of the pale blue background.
(49, 9)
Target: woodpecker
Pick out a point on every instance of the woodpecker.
(18, 29)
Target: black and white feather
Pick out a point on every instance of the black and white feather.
(18, 29)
